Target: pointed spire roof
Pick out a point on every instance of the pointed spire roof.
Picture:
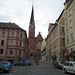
(32, 17)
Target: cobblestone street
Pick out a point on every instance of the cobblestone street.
(43, 69)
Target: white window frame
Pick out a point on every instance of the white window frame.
(70, 23)
(12, 34)
(71, 35)
(12, 43)
(3, 34)
(70, 11)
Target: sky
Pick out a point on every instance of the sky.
(19, 12)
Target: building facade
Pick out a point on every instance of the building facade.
(43, 50)
(34, 43)
(13, 42)
(70, 26)
(55, 42)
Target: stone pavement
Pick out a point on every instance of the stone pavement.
(40, 62)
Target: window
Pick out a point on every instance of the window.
(67, 39)
(67, 64)
(63, 41)
(63, 52)
(70, 23)
(12, 34)
(2, 42)
(11, 51)
(12, 42)
(66, 15)
(71, 35)
(71, 64)
(1, 51)
(62, 29)
(66, 26)
(70, 12)
(21, 36)
(20, 44)
(19, 52)
(3, 34)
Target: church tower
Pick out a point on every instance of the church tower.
(31, 38)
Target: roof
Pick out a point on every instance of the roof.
(32, 17)
(9, 26)
(60, 15)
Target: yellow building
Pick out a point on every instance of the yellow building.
(43, 50)
(47, 56)
(70, 25)
(55, 42)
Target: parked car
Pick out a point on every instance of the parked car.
(4, 65)
(58, 64)
(69, 66)
(28, 63)
(22, 63)
(3, 69)
(18, 64)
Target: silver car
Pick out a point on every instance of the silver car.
(69, 66)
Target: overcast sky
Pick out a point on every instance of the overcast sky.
(19, 12)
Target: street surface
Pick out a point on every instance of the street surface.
(42, 69)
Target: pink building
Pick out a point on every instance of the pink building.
(13, 42)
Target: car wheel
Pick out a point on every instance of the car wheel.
(65, 71)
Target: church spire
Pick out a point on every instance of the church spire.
(32, 17)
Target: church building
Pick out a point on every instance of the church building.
(34, 43)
